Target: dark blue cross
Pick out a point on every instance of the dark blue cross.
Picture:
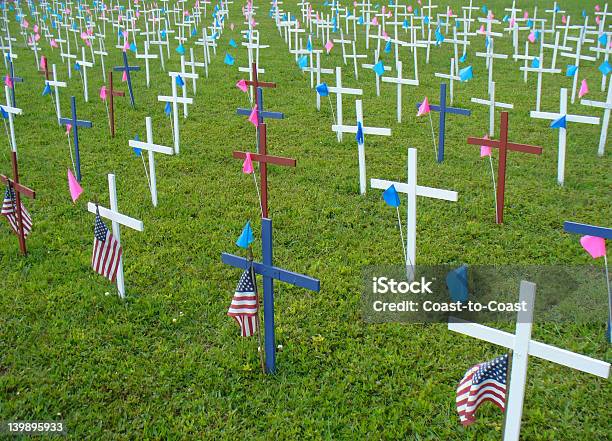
(604, 233)
(127, 69)
(14, 80)
(269, 273)
(75, 123)
(444, 109)
(261, 113)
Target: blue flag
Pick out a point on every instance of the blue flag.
(179, 81)
(359, 135)
(229, 60)
(535, 63)
(322, 89)
(309, 44)
(457, 284)
(603, 39)
(388, 47)
(571, 70)
(560, 123)
(246, 237)
(46, 90)
(426, 20)
(379, 68)
(232, 43)
(168, 109)
(5, 115)
(463, 57)
(605, 68)
(133, 47)
(466, 73)
(137, 150)
(180, 49)
(77, 67)
(360, 21)
(391, 196)
(302, 62)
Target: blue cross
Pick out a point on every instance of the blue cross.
(75, 124)
(605, 233)
(127, 69)
(269, 273)
(443, 109)
(14, 80)
(261, 113)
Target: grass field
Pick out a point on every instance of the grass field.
(167, 363)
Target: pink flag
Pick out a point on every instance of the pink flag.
(35, 28)
(328, 46)
(74, 186)
(7, 81)
(124, 77)
(247, 165)
(25, 23)
(595, 246)
(242, 85)
(126, 46)
(53, 43)
(375, 21)
(253, 117)
(103, 93)
(484, 149)
(526, 15)
(36, 37)
(597, 20)
(531, 37)
(482, 29)
(450, 12)
(409, 8)
(563, 19)
(597, 8)
(43, 62)
(423, 108)
(385, 35)
(584, 89)
(68, 128)
(512, 22)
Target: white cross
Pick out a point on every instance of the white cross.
(451, 77)
(193, 63)
(413, 190)
(11, 111)
(400, 81)
(56, 85)
(562, 131)
(84, 65)
(490, 56)
(317, 71)
(607, 106)
(175, 100)
(339, 91)
(527, 58)
(102, 53)
(492, 105)
(151, 148)
(184, 75)
(146, 56)
(577, 57)
(554, 16)
(380, 131)
(355, 56)
(540, 70)
(117, 219)
(342, 41)
(522, 347)
(377, 77)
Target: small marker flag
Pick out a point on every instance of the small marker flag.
(46, 90)
(232, 43)
(242, 85)
(179, 81)
(595, 246)
(388, 47)
(424, 108)
(303, 62)
(168, 109)
(247, 165)
(359, 135)
(103, 93)
(253, 117)
(180, 49)
(584, 88)
(466, 73)
(605, 68)
(322, 89)
(379, 68)
(571, 70)
(560, 123)
(229, 60)
(246, 237)
(535, 63)
(463, 57)
(485, 150)
(74, 186)
(391, 196)
(329, 46)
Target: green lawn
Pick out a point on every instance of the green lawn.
(167, 363)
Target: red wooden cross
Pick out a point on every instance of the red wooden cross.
(264, 159)
(111, 94)
(45, 71)
(256, 83)
(19, 190)
(503, 145)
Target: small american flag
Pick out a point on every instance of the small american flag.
(106, 251)
(483, 382)
(245, 304)
(9, 206)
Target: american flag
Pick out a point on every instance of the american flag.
(244, 305)
(9, 206)
(483, 382)
(106, 251)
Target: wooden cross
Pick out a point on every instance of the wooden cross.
(492, 105)
(413, 190)
(255, 83)
(19, 191)
(381, 131)
(270, 273)
(111, 93)
(175, 100)
(11, 111)
(264, 159)
(339, 91)
(607, 106)
(151, 148)
(84, 64)
(442, 109)
(604, 233)
(503, 145)
(400, 81)
(562, 130)
(76, 123)
(127, 69)
(117, 219)
(261, 114)
(522, 347)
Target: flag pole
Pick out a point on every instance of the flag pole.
(332, 109)
(433, 135)
(609, 296)
(494, 187)
(259, 347)
(70, 151)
